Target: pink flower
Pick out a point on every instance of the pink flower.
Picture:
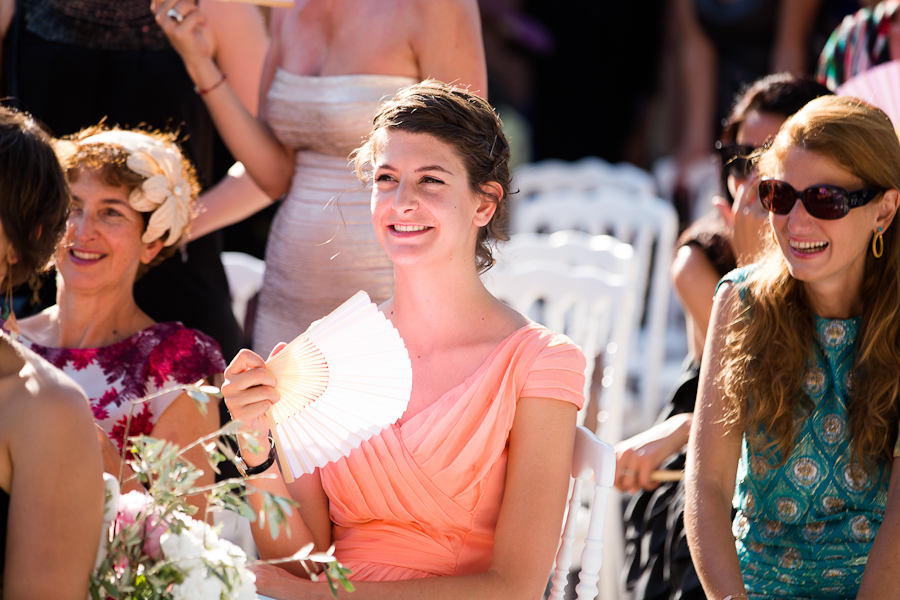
(154, 529)
(137, 508)
(131, 507)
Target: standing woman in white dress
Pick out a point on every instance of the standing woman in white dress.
(329, 66)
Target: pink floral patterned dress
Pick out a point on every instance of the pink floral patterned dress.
(159, 357)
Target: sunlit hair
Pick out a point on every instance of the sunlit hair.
(34, 197)
(470, 126)
(109, 163)
(769, 348)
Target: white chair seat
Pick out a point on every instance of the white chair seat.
(245, 276)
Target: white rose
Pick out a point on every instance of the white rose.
(197, 585)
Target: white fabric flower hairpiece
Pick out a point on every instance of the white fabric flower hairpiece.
(165, 192)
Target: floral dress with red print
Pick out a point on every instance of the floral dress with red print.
(159, 357)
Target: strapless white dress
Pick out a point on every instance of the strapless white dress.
(322, 248)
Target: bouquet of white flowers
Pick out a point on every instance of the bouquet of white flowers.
(156, 550)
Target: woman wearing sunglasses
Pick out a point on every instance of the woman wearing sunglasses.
(658, 564)
(799, 398)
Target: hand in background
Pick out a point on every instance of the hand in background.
(638, 456)
(191, 37)
(747, 220)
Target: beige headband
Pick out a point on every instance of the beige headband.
(165, 192)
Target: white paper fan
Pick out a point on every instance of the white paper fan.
(341, 382)
(879, 86)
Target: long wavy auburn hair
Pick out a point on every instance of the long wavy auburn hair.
(769, 345)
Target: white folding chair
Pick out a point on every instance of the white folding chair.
(613, 257)
(582, 302)
(573, 248)
(245, 275)
(650, 225)
(586, 174)
(593, 459)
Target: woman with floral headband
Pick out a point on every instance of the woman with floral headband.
(131, 204)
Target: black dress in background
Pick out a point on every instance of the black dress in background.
(72, 63)
(657, 559)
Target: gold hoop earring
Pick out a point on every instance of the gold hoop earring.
(11, 325)
(877, 244)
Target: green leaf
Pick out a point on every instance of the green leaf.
(200, 399)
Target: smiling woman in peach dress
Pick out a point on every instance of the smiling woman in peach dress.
(463, 496)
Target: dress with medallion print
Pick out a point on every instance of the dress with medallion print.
(804, 529)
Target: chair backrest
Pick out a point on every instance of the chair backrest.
(585, 303)
(571, 247)
(586, 174)
(110, 510)
(245, 276)
(575, 248)
(592, 459)
(650, 225)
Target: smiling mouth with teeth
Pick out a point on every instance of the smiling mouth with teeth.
(85, 255)
(808, 247)
(409, 228)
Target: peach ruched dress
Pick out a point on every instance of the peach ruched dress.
(422, 498)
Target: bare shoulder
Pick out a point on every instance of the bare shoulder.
(443, 7)
(45, 397)
(40, 328)
(690, 261)
(227, 16)
(441, 14)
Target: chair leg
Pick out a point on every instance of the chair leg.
(592, 557)
(564, 556)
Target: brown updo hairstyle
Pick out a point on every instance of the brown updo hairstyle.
(35, 196)
(109, 162)
(468, 124)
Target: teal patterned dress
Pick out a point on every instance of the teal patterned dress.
(804, 529)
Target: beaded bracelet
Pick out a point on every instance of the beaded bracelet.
(212, 87)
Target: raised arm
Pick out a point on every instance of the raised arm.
(879, 579)
(446, 39)
(713, 453)
(56, 503)
(697, 70)
(249, 393)
(249, 139)
(795, 22)
(694, 278)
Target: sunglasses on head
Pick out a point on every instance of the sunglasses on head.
(820, 201)
(736, 159)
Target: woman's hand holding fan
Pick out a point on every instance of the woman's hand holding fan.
(344, 380)
(249, 392)
(341, 382)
